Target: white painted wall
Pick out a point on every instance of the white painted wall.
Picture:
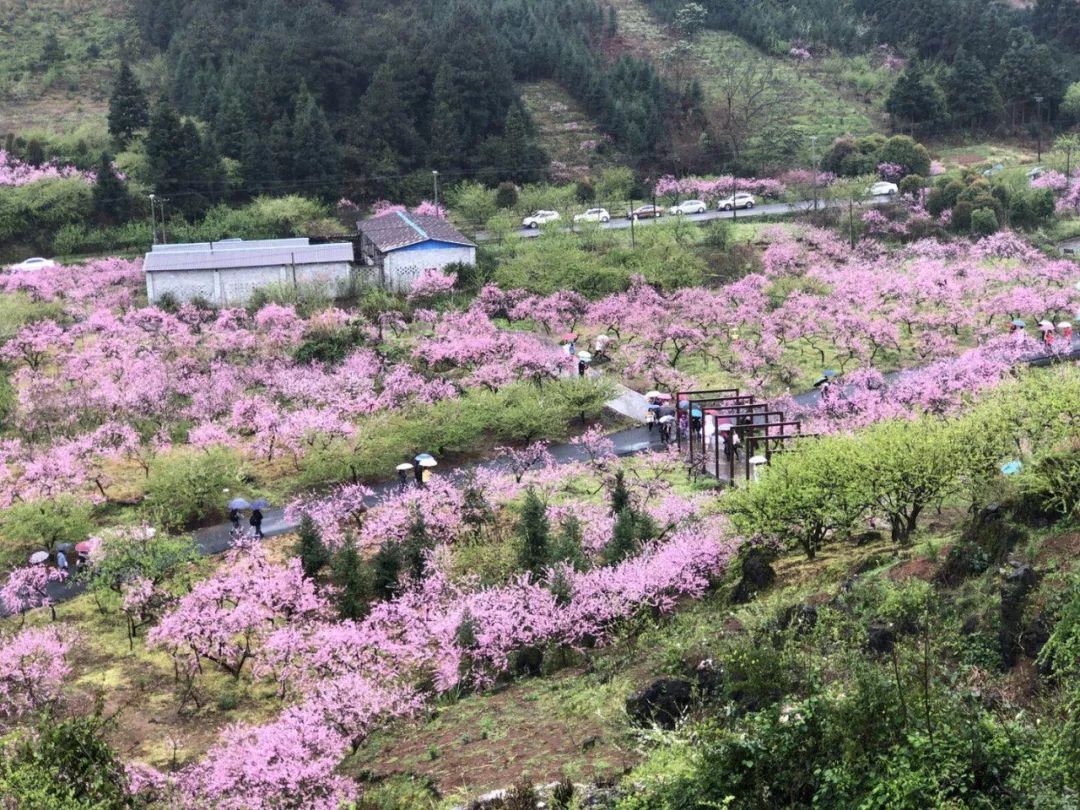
(400, 267)
(233, 287)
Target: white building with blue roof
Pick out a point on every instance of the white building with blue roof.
(399, 246)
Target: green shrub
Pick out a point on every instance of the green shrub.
(1054, 481)
(44, 524)
(506, 195)
(912, 184)
(984, 221)
(329, 346)
(188, 487)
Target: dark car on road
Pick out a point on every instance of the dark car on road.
(646, 212)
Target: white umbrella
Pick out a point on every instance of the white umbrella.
(653, 395)
(584, 357)
(428, 462)
(664, 420)
(403, 466)
(1064, 325)
(1046, 326)
(724, 427)
(756, 460)
(39, 557)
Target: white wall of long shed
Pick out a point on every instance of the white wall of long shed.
(234, 286)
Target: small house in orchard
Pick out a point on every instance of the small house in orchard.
(399, 246)
(226, 273)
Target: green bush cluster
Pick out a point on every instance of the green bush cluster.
(812, 715)
(895, 470)
(517, 414)
(187, 486)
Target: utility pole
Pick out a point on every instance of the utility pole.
(813, 164)
(633, 239)
(435, 179)
(734, 202)
(1038, 115)
(153, 220)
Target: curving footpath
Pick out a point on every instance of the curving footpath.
(215, 539)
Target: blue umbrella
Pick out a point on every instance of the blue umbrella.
(695, 413)
(1012, 468)
(239, 503)
(261, 503)
(1019, 323)
(425, 457)
(654, 407)
(684, 404)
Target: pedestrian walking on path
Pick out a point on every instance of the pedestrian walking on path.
(256, 521)
(234, 518)
(61, 561)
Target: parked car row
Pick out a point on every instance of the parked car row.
(542, 217)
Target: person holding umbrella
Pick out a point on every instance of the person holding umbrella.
(61, 560)
(422, 465)
(1047, 328)
(256, 518)
(236, 505)
(665, 427)
(403, 470)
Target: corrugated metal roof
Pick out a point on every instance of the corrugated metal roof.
(236, 254)
(398, 229)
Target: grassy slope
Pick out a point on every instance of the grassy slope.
(563, 125)
(828, 97)
(74, 93)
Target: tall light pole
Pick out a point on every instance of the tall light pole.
(153, 220)
(1038, 114)
(813, 164)
(164, 235)
(435, 181)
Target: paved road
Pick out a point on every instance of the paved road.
(215, 539)
(620, 223)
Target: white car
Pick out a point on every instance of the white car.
(36, 263)
(688, 207)
(740, 200)
(538, 218)
(594, 215)
(883, 188)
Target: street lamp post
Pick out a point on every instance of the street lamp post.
(1038, 115)
(813, 164)
(153, 220)
(734, 202)
(435, 180)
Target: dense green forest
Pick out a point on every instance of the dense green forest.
(971, 63)
(306, 94)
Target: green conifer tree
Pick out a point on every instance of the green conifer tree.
(316, 163)
(112, 203)
(533, 533)
(567, 546)
(349, 575)
(310, 548)
(415, 548)
(386, 570)
(129, 110)
(624, 538)
(620, 495)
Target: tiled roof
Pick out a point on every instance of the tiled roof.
(238, 253)
(399, 229)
